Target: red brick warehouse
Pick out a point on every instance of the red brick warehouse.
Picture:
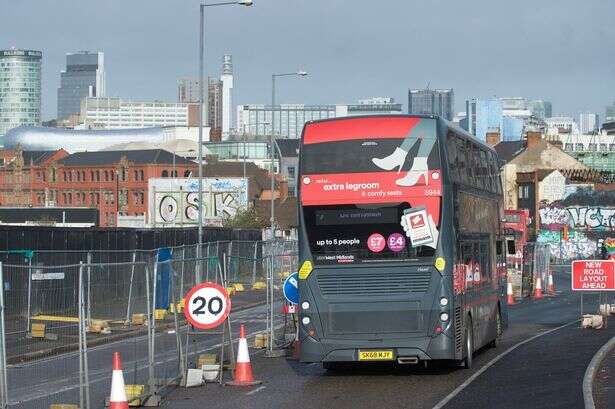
(115, 182)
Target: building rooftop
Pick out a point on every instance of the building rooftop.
(259, 179)
(289, 147)
(286, 214)
(36, 157)
(507, 150)
(140, 157)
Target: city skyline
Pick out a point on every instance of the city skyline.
(137, 69)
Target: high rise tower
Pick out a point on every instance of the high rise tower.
(227, 93)
(84, 77)
(20, 89)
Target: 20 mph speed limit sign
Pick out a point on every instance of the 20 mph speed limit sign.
(207, 305)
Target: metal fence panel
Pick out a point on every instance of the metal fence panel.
(42, 333)
(63, 322)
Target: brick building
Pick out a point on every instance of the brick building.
(115, 182)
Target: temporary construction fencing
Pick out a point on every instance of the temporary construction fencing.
(61, 323)
(526, 266)
(282, 260)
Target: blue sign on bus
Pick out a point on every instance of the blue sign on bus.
(291, 288)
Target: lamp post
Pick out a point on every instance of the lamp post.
(202, 108)
(272, 140)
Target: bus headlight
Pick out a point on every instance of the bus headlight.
(305, 305)
(305, 320)
(444, 316)
(444, 301)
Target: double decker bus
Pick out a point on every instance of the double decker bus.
(399, 241)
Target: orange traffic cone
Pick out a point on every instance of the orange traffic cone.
(243, 368)
(118, 399)
(509, 292)
(551, 284)
(538, 288)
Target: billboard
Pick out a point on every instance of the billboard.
(175, 202)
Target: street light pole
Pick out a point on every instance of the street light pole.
(202, 108)
(272, 141)
(200, 147)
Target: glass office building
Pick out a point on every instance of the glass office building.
(541, 109)
(255, 119)
(483, 115)
(512, 128)
(432, 102)
(20, 89)
(84, 77)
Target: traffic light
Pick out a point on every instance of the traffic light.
(565, 232)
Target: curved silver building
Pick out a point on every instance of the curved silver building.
(31, 138)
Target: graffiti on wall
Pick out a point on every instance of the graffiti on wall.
(176, 201)
(577, 246)
(578, 217)
(589, 226)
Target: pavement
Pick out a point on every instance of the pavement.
(539, 363)
(604, 383)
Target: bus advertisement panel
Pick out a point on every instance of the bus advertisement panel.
(355, 194)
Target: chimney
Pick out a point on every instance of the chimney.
(493, 138)
(533, 138)
(215, 135)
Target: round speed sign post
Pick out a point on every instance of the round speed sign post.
(207, 305)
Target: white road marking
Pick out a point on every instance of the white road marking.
(489, 364)
(260, 388)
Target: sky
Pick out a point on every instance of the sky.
(557, 50)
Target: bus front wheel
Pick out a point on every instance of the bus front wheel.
(468, 344)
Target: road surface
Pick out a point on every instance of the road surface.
(543, 372)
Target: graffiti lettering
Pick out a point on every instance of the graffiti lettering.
(579, 217)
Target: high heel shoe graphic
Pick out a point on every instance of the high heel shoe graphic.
(394, 160)
(419, 168)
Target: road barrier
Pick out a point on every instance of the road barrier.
(60, 323)
(526, 266)
(281, 260)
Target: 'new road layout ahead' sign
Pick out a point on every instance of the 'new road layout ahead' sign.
(593, 275)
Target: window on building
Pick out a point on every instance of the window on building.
(593, 147)
(53, 175)
(165, 173)
(524, 192)
(70, 198)
(569, 147)
(291, 172)
(579, 147)
(141, 176)
(604, 147)
(136, 175)
(106, 176)
(123, 174)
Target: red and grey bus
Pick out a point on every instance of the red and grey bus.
(399, 241)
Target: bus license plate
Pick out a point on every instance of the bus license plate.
(376, 355)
